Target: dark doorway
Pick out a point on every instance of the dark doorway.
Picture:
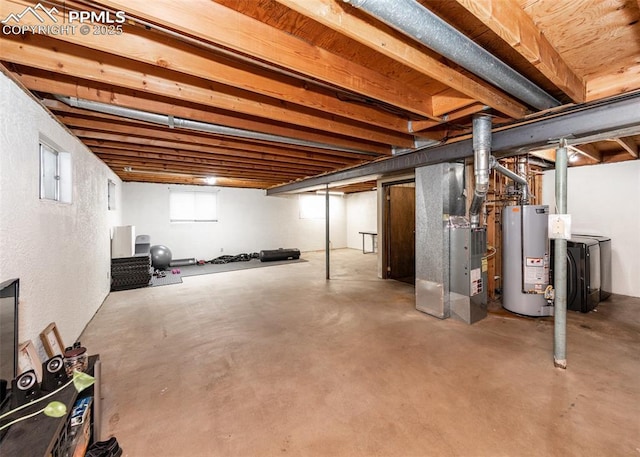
(400, 225)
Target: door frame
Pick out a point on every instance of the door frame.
(384, 244)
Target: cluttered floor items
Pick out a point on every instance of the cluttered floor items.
(146, 265)
(218, 265)
(191, 267)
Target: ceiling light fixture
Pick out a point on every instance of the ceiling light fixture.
(210, 180)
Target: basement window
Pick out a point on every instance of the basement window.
(193, 206)
(111, 195)
(55, 174)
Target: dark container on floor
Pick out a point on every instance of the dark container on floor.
(279, 254)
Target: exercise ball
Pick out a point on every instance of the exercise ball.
(160, 257)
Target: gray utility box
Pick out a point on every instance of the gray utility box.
(468, 273)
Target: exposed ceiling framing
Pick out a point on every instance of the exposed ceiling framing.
(318, 71)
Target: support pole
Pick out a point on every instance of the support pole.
(327, 241)
(560, 264)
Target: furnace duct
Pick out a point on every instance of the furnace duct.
(481, 154)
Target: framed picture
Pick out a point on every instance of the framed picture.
(28, 359)
(51, 340)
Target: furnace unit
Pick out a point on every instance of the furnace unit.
(467, 272)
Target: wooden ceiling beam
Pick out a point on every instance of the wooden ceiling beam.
(187, 59)
(160, 166)
(625, 79)
(451, 117)
(546, 154)
(511, 23)
(175, 135)
(222, 26)
(628, 145)
(447, 101)
(160, 178)
(132, 100)
(590, 151)
(211, 153)
(170, 179)
(205, 159)
(42, 52)
(137, 162)
(73, 117)
(333, 15)
(204, 145)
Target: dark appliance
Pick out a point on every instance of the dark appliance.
(583, 273)
(605, 264)
(9, 298)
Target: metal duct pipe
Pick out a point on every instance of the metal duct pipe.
(522, 171)
(170, 121)
(417, 22)
(481, 154)
(514, 177)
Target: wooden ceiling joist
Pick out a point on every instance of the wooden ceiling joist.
(205, 159)
(72, 60)
(235, 155)
(335, 17)
(341, 89)
(628, 145)
(192, 61)
(513, 25)
(180, 166)
(203, 144)
(38, 81)
(178, 135)
(590, 152)
(224, 27)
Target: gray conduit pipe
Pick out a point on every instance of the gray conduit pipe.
(560, 265)
(420, 24)
(170, 121)
(327, 247)
(481, 154)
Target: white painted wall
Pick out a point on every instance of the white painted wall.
(362, 216)
(605, 200)
(248, 221)
(60, 252)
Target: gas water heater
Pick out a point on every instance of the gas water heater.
(525, 259)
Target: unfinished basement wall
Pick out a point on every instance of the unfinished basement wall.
(248, 221)
(59, 251)
(605, 200)
(362, 216)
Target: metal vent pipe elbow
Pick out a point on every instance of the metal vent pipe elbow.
(514, 177)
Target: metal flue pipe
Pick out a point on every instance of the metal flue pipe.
(481, 154)
(514, 177)
(420, 24)
(170, 121)
(522, 171)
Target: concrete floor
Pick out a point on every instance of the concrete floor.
(277, 361)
